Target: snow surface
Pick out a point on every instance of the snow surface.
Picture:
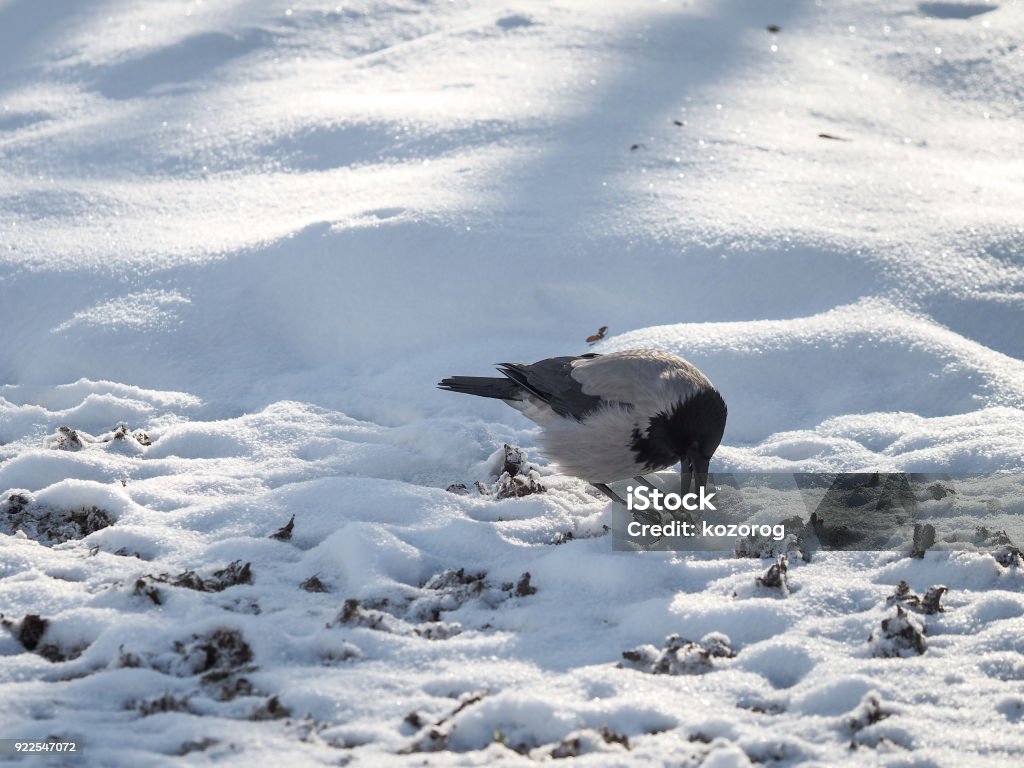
(259, 232)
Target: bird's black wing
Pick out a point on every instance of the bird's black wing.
(551, 381)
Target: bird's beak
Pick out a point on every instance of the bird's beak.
(685, 473)
(699, 466)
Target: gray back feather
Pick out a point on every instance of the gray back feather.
(649, 379)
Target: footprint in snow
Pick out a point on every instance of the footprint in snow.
(955, 10)
(514, 22)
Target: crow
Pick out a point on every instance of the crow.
(608, 417)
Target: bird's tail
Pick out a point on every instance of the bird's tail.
(483, 386)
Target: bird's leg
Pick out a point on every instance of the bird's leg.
(610, 493)
(642, 480)
(650, 517)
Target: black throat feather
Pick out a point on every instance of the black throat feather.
(696, 423)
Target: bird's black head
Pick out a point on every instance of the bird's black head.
(689, 432)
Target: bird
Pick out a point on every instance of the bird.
(606, 417)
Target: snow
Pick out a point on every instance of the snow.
(255, 234)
